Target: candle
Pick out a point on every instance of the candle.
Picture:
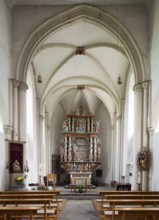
(40, 169)
(139, 177)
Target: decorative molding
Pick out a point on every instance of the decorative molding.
(80, 51)
(80, 87)
(23, 86)
(8, 130)
(146, 84)
(41, 117)
(15, 83)
(150, 130)
(138, 88)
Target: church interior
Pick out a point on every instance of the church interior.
(79, 94)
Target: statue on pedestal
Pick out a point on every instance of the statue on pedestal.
(16, 166)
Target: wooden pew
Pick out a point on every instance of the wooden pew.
(131, 196)
(136, 196)
(32, 192)
(104, 193)
(55, 194)
(136, 202)
(136, 212)
(5, 212)
(21, 201)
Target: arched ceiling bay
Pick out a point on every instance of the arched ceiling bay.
(99, 62)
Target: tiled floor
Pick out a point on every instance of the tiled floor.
(79, 210)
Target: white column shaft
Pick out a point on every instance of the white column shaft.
(137, 144)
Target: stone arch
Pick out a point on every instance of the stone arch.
(91, 14)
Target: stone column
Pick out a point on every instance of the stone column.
(145, 134)
(150, 144)
(114, 143)
(41, 156)
(65, 149)
(38, 139)
(47, 146)
(22, 111)
(123, 164)
(112, 154)
(118, 149)
(88, 124)
(91, 150)
(95, 149)
(15, 87)
(73, 124)
(137, 144)
(70, 150)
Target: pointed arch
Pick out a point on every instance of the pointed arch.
(74, 14)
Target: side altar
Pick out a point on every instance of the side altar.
(80, 149)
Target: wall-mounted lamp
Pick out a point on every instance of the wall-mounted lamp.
(39, 79)
(119, 80)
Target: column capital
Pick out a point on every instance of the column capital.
(7, 129)
(138, 87)
(150, 130)
(41, 117)
(146, 84)
(15, 83)
(23, 86)
(119, 117)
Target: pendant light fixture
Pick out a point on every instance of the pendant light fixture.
(119, 81)
(39, 77)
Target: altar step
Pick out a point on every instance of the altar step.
(80, 196)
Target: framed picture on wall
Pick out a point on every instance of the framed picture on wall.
(16, 157)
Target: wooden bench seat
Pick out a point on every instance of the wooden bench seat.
(5, 212)
(125, 213)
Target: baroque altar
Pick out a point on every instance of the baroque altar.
(80, 149)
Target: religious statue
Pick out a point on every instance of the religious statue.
(65, 126)
(16, 166)
(97, 126)
(81, 110)
(144, 159)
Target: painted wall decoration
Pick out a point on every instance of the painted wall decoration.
(16, 157)
(80, 150)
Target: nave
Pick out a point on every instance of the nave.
(79, 210)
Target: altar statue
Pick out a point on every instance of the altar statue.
(16, 166)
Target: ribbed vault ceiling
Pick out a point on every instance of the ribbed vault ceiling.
(97, 68)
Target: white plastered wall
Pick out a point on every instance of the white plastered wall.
(5, 74)
(154, 57)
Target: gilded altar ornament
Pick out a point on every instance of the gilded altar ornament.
(144, 159)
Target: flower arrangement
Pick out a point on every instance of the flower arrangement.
(80, 188)
(19, 180)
